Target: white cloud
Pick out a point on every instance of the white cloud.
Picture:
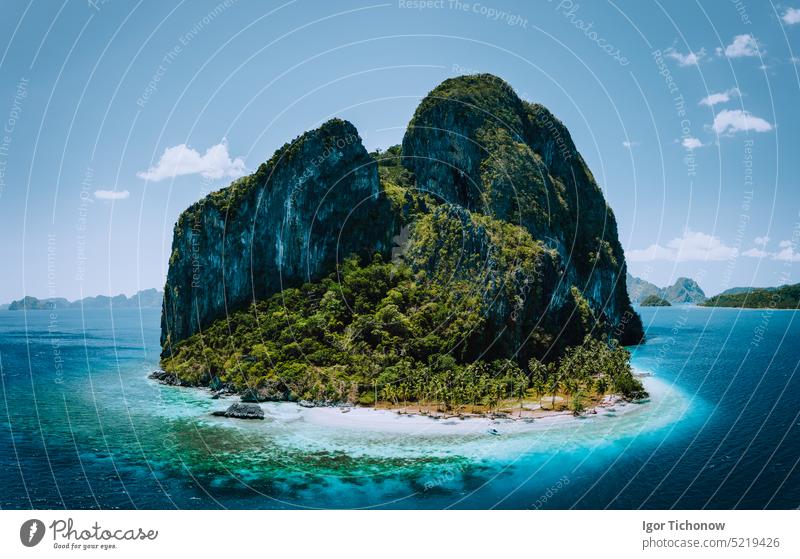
(731, 121)
(630, 145)
(653, 252)
(111, 194)
(183, 160)
(742, 45)
(755, 253)
(691, 143)
(693, 245)
(787, 254)
(716, 98)
(689, 59)
(791, 16)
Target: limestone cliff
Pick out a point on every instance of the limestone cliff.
(313, 203)
(475, 143)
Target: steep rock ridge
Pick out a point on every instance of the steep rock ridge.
(316, 201)
(684, 290)
(473, 142)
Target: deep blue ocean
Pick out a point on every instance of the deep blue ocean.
(81, 426)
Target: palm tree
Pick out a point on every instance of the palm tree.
(577, 402)
(557, 383)
(601, 385)
(570, 387)
(520, 389)
(492, 397)
(472, 394)
(481, 389)
(404, 393)
(388, 393)
(437, 391)
(538, 377)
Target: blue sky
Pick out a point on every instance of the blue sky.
(687, 113)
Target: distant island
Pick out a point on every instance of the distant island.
(737, 290)
(147, 298)
(683, 291)
(783, 297)
(654, 301)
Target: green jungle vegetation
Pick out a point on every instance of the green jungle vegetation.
(783, 297)
(381, 331)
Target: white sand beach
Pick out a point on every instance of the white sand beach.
(367, 419)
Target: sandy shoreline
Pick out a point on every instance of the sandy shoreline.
(390, 421)
(387, 420)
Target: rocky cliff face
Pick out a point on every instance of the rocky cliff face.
(525, 308)
(473, 142)
(316, 201)
(494, 196)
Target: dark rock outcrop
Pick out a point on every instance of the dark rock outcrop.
(242, 411)
(170, 379)
(473, 142)
(316, 201)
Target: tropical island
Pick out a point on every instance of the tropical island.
(654, 301)
(783, 297)
(450, 272)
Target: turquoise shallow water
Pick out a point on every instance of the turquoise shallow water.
(82, 427)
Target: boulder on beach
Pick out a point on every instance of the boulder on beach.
(166, 378)
(242, 411)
